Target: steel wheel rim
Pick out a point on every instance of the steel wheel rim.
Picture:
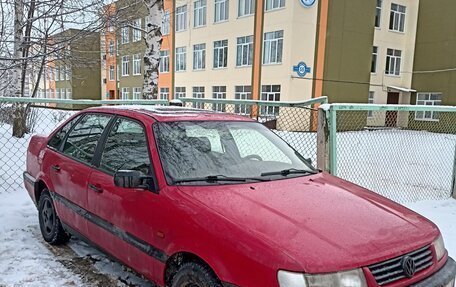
(48, 217)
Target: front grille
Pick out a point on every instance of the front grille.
(391, 270)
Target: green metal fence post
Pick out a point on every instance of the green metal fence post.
(454, 173)
(332, 140)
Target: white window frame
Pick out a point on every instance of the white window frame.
(181, 59)
(63, 93)
(219, 92)
(181, 18)
(269, 93)
(125, 94)
(136, 64)
(244, 51)
(370, 100)
(164, 93)
(165, 28)
(273, 47)
(57, 73)
(243, 93)
(137, 93)
(57, 93)
(62, 73)
(180, 92)
(164, 61)
(125, 66)
(374, 59)
(221, 11)
(112, 74)
(198, 93)
(397, 18)
(393, 62)
(199, 57)
(378, 13)
(125, 35)
(246, 7)
(69, 94)
(270, 5)
(428, 99)
(111, 47)
(199, 13)
(220, 54)
(137, 30)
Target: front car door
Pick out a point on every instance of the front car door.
(120, 226)
(69, 159)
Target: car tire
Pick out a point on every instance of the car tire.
(50, 225)
(192, 274)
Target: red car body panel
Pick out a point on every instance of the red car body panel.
(244, 232)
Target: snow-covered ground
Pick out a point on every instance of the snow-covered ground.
(420, 167)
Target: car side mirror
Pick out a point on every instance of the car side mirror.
(133, 179)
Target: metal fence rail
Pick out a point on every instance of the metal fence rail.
(406, 153)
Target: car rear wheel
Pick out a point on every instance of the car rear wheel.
(192, 274)
(50, 225)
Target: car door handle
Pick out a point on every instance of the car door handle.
(95, 188)
(55, 167)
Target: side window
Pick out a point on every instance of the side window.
(126, 148)
(59, 136)
(83, 139)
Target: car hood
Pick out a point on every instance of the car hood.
(323, 223)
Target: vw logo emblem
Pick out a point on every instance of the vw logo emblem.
(408, 266)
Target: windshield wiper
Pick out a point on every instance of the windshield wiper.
(286, 172)
(216, 178)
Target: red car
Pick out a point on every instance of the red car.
(193, 198)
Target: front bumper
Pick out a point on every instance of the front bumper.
(441, 278)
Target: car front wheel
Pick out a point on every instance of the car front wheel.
(50, 225)
(192, 274)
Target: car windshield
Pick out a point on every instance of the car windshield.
(223, 152)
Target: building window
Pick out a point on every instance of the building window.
(220, 54)
(199, 13)
(270, 93)
(125, 35)
(274, 4)
(273, 45)
(219, 92)
(370, 100)
(246, 7)
(243, 93)
(62, 73)
(117, 72)
(244, 56)
(111, 73)
(393, 62)
(137, 64)
(136, 93)
(199, 57)
(62, 93)
(125, 93)
(397, 18)
(67, 73)
(374, 59)
(166, 23)
(181, 18)
(125, 66)
(179, 93)
(164, 94)
(111, 47)
(137, 30)
(57, 93)
(378, 13)
(68, 94)
(221, 10)
(57, 73)
(181, 54)
(428, 99)
(198, 93)
(164, 61)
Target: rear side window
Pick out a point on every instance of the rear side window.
(57, 139)
(83, 139)
(126, 148)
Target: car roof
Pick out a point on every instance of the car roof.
(171, 113)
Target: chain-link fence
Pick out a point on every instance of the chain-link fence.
(294, 122)
(406, 153)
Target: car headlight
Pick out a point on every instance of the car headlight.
(352, 278)
(439, 247)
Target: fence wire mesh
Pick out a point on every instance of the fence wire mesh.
(403, 155)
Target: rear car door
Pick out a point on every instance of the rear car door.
(122, 214)
(70, 164)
